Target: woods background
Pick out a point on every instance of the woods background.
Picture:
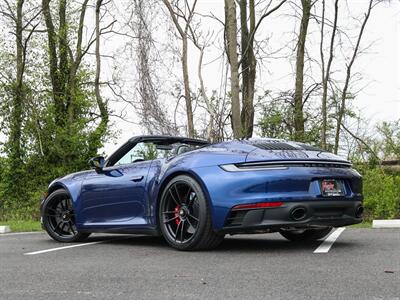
(71, 72)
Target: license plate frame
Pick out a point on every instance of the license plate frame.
(331, 188)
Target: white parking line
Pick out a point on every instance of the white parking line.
(74, 246)
(62, 248)
(328, 242)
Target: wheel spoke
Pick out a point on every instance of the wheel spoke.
(50, 215)
(54, 210)
(190, 223)
(169, 212)
(177, 193)
(193, 217)
(192, 201)
(69, 205)
(71, 226)
(182, 227)
(63, 204)
(169, 220)
(173, 197)
(188, 195)
(177, 229)
(58, 224)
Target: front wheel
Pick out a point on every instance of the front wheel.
(184, 216)
(59, 218)
(299, 235)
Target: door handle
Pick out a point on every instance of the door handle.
(137, 178)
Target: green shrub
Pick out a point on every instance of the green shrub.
(382, 194)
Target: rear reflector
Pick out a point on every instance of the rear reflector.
(257, 205)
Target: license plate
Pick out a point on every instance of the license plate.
(331, 188)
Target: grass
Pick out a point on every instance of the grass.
(22, 226)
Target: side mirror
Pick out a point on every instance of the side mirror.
(97, 163)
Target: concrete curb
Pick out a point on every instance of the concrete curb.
(386, 223)
(5, 229)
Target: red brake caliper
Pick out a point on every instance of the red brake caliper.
(178, 219)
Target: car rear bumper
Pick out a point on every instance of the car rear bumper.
(301, 214)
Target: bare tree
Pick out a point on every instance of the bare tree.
(153, 116)
(326, 72)
(18, 97)
(344, 92)
(248, 65)
(102, 105)
(298, 94)
(231, 45)
(248, 61)
(178, 14)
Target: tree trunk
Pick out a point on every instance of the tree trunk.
(248, 66)
(53, 62)
(298, 94)
(101, 129)
(326, 73)
(231, 43)
(188, 97)
(15, 154)
(63, 66)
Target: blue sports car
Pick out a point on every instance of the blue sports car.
(192, 192)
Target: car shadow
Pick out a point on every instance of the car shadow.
(130, 239)
(253, 243)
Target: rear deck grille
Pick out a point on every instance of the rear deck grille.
(275, 146)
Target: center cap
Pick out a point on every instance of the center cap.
(181, 212)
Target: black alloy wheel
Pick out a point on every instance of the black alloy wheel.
(59, 218)
(184, 216)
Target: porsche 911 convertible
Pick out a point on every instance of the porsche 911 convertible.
(193, 193)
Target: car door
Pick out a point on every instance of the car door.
(117, 194)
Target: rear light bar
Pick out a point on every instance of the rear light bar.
(283, 165)
(244, 168)
(257, 205)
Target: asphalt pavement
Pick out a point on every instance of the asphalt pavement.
(359, 264)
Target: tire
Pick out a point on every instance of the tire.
(59, 218)
(185, 222)
(306, 234)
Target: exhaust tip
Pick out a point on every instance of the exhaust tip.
(298, 213)
(359, 211)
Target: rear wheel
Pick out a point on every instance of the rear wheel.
(59, 218)
(184, 216)
(305, 234)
